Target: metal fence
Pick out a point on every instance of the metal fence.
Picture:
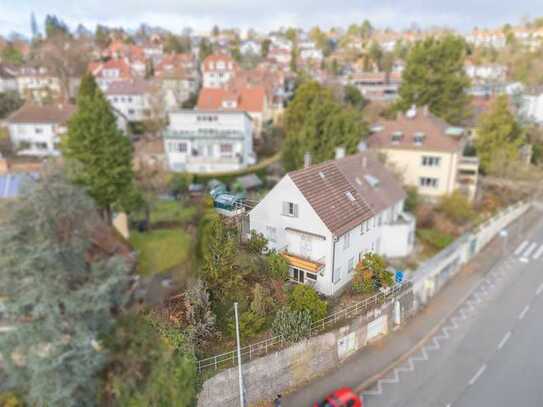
(276, 343)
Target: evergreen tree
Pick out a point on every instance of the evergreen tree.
(60, 303)
(499, 136)
(434, 76)
(34, 26)
(317, 123)
(100, 152)
(55, 26)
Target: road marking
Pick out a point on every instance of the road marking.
(521, 247)
(530, 249)
(524, 311)
(539, 290)
(539, 252)
(504, 340)
(479, 373)
(524, 259)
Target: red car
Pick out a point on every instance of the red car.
(344, 397)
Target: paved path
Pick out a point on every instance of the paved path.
(487, 269)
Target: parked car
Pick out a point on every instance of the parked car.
(343, 397)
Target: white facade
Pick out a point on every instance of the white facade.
(208, 141)
(489, 72)
(217, 71)
(36, 139)
(37, 87)
(250, 47)
(135, 107)
(532, 108)
(302, 234)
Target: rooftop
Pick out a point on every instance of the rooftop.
(30, 113)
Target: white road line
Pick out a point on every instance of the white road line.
(530, 249)
(479, 373)
(539, 252)
(504, 340)
(539, 290)
(524, 311)
(521, 247)
(524, 260)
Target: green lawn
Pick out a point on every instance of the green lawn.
(172, 211)
(433, 240)
(161, 250)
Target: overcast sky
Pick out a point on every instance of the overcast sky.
(203, 14)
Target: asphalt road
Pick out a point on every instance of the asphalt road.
(489, 353)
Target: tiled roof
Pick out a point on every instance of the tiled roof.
(210, 63)
(249, 99)
(340, 194)
(433, 129)
(97, 68)
(129, 87)
(30, 113)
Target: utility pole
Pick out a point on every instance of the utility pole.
(241, 400)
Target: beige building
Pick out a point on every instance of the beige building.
(427, 153)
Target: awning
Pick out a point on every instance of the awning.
(304, 264)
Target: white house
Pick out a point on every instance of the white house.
(131, 98)
(250, 47)
(8, 79)
(36, 130)
(486, 72)
(37, 83)
(218, 70)
(325, 217)
(208, 141)
(532, 107)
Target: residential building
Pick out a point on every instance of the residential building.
(486, 73)
(487, 38)
(35, 83)
(427, 153)
(250, 99)
(208, 140)
(377, 85)
(178, 77)
(218, 70)
(108, 72)
(250, 47)
(325, 217)
(36, 130)
(8, 78)
(532, 107)
(132, 98)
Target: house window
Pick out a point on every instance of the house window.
(380, 220)
(396, 137)
(346, 241)
(226, 149)
(38, 130)
(418, 138)
(431, 161)
(362, 226)
(300, 276)
(41, 146)
(367, 226)
(311, 276)
(350, 265)
(290, 209)
(181, 147)
(131, 111)
(271, 232)
(427, 182)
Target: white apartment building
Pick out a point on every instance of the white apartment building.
(36, 130)
(131, 98)
(203, 141)
(8, 79)
(218, 70)
(324, 218)
(532, 107)
(37, 84)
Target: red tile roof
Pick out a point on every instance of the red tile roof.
(249, 99)
(210, 63)
(97, 68)
(30, 113)
(433, 128)
(341, 195)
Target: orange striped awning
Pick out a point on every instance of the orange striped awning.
(304, 264)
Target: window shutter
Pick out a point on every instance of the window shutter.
(296, 210)
(285, 208)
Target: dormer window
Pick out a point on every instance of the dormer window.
(396, 137)
(418, 138)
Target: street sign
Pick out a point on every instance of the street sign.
(399, 276)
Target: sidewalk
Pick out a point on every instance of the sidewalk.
(363, 366)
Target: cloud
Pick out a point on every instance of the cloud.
(203, 14)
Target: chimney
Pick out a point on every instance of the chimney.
(307, 159)
(340, 152)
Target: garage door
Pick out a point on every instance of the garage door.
(377, 327)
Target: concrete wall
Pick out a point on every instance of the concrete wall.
(276, 372)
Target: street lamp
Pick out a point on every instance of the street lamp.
(241, 400)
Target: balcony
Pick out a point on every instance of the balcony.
(301, 262)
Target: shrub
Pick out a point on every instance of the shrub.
(412, 200)
(179, 183)
(262, 302)
(10, 399)
(256, 243)
(371, 273)
(250, 324)
(292, 325)
(435, 238)
(305, 298)
(457, 208)
(277, 265)
(198, 314)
